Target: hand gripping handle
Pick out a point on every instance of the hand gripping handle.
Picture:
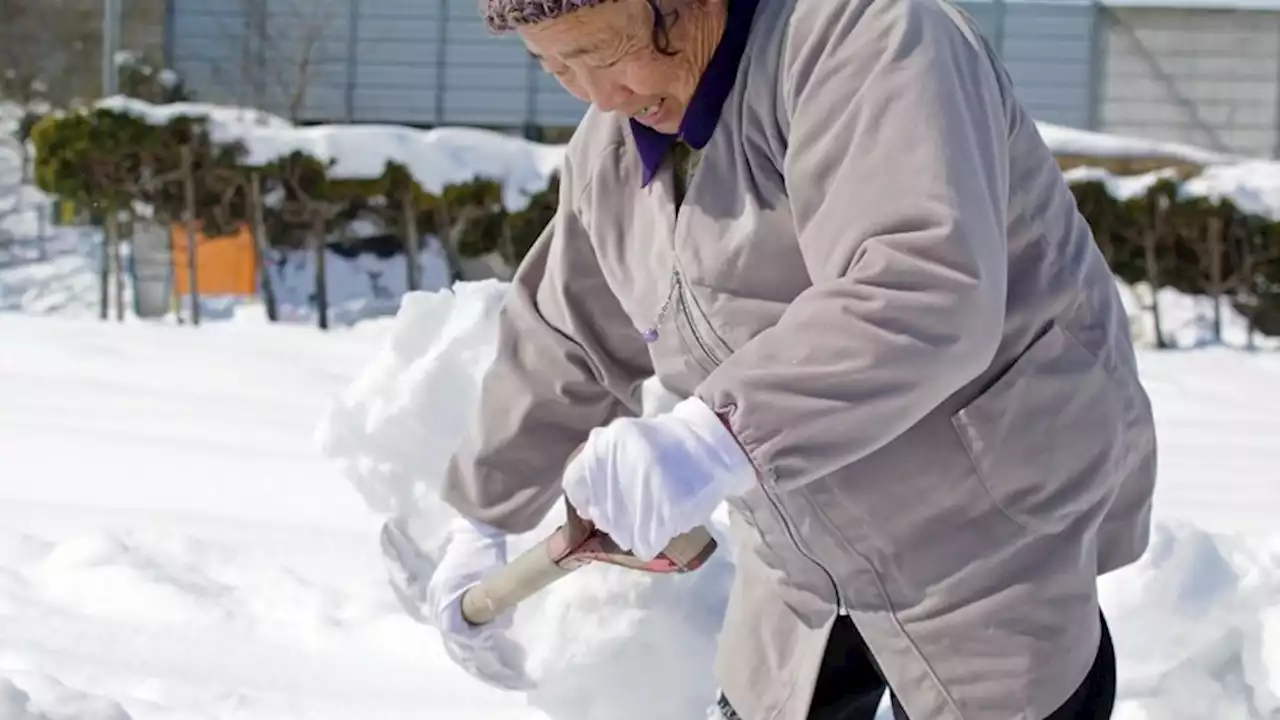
(573, 545)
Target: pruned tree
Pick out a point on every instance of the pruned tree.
(95, 161)
(1154, 236)
(310, 202)
(505, 236)
(1253, 252)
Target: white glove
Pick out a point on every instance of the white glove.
(473, 549)
(646, 480)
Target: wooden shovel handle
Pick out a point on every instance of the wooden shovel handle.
(572, 546)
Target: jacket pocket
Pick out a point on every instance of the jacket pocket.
(1047, 439)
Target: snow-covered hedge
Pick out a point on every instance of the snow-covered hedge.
(1199, 222)
(1212, 230)
(481, 193)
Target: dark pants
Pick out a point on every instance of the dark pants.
(850, 686)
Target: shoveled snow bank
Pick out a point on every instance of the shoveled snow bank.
(171, 541)
(24, 210)
(33, 696)
(1197, 628)
(590, 638)
(1196, 622)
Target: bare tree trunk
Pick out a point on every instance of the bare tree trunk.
(322, 284)
(1217, 283)
(444, 230)
(1102, 238)
(411, 236)
(189, 211)
(104, 268)
(1152, 263)
(1151, 240)
(261, 248)
(117, 255)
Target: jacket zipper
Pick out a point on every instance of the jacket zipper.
(679, 288)
(693, 325)
(795, 540)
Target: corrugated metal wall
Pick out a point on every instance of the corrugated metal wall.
(1208, 78)
(432, 62)
(292, 57)
(1049, 50)
(421, 62)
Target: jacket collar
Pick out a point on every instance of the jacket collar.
(703, 114)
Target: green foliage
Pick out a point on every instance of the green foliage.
(87, 158)
(1196, 245)
(100, 156)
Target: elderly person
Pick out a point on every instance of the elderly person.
(831, 228)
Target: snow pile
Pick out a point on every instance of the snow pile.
(173, 546)
(23, 208)
(436, 158)
(1197, 628)
(1194, 606)
(589, 637)
(53, 275)
(53, 701)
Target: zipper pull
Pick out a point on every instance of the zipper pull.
(650, 334)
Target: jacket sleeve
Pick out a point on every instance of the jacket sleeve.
(568, 359)
(896, 172)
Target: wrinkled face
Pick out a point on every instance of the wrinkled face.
(605, 55)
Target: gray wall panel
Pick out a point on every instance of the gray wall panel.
(1194, 75)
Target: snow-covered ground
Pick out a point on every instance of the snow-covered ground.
(189, 518)
(175, 544)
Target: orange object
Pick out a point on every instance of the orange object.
(225, 264)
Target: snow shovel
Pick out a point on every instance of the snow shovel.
(575, 544)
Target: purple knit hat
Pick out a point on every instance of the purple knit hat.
(505, 15)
